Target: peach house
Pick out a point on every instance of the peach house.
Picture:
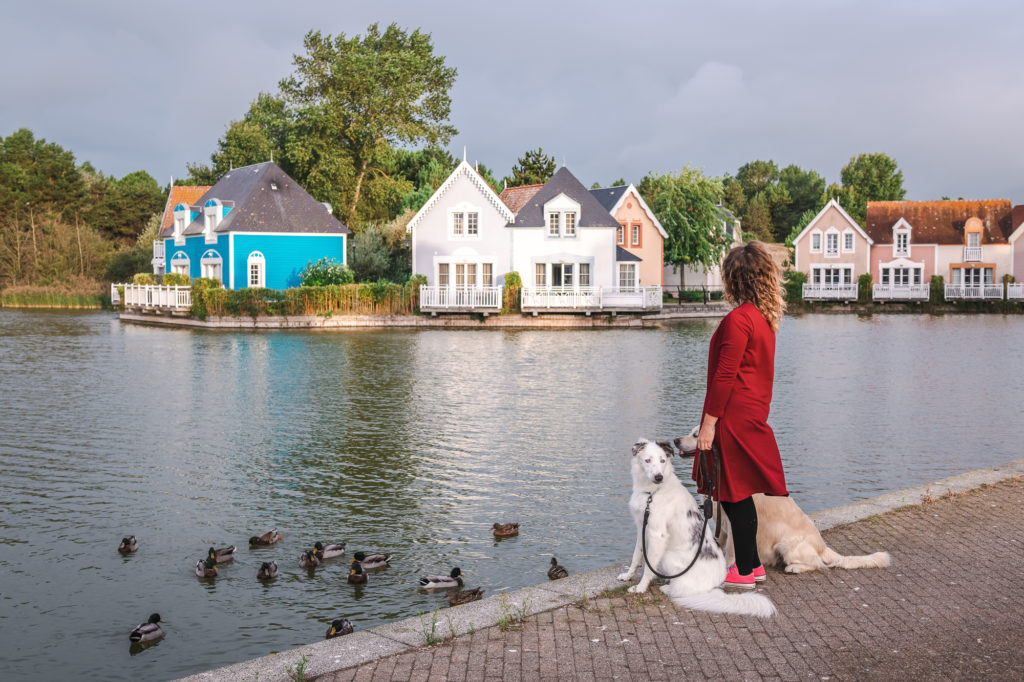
(639, 231)
(833, 251)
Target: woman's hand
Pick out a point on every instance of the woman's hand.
(706, 435)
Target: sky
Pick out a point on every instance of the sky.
(612, 89)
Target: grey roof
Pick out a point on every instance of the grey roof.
(623, 256)
(265, 199)
(592, 213)
(609, 196)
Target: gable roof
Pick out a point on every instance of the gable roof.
(940, 222)
(592, 213)
(611, 198)
(179, 194)
(516, 197)
(842, 212)
(623, 256)
(462, 169)
(1016, 223)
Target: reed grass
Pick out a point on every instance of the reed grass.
(78, 295)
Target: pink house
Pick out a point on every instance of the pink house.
(833, 251)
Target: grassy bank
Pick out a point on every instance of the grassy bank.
(80, 295)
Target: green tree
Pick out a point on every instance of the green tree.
(371, 259)
(806, 190)
(869, 177)
(688, 206)
(532, 168)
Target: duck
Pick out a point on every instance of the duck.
(556, 571)
(267, 571)
(206, 569)
(268, 538)
(128, 545)
(339, 627)
(453, 579)
(373, 560)
(148, 631)
(328, 551)
(221, 555)
(505, 530)
(457, 597)
(309, 559)
(356, 576)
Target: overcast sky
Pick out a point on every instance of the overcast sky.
(614, 89)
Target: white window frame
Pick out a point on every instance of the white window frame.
(443, 277)
(211, 266)
(816, 241)
(620, 235)
(584, 278)
(487, 274)
(849, 242)
(212, 212)
(554, 224)
(458, 224)
(901, 250)
(830, 235)
(634, 234)
(181, 263)
(627, 277)
(256, 258)
(569, 223)
(472, 223)
(540, 275)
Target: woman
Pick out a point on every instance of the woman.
(741, 368)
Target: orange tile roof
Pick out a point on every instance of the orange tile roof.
(180, 194)
(516, 197)
(940, 222)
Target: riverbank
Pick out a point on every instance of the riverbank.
(851, 623)
(89, 298)
(994, 307)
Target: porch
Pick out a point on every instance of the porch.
(900, 292)
(830, 292)
(974, 292)
(1015, 292)
(437, 299)
(157, 296)
(590, 299)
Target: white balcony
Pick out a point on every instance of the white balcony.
(900, 292)
(157, 296)
(830, 292)
(589, 299)
(460, 299)
(158, 256)
(974, 292)
(1015, 292)
(972, 254)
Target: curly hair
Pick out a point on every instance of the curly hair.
(751, 275)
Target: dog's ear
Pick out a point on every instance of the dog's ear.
(638, 446)
(667, 447)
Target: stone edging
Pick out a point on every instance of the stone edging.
(404, 635)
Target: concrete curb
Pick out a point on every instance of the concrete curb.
(392, 638)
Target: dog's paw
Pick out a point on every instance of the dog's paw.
(636, 589)
(624, 576)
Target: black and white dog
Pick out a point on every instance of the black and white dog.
(673, 533)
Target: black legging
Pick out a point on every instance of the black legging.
(743, 518)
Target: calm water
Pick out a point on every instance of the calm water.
(413, 442)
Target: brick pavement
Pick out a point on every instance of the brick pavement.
(950, 607)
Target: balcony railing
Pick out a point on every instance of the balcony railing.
(157, 296)
(830, 292)
(591, 298)
(900, 292)
(1015, 291)
(976, 291)
(972, 254)
(460, 298)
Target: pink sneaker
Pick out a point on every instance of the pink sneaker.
(759, 575)
(734, 579)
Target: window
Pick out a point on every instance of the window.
(561, 275)
(832, 244)
(570, 224)
(457, 223)
(885, 275)
(470, 274)
(210, 265)
(584, 274)
(816, 242)
(540, 275)
(988, 276)
(634, 235)
(627, 276)
(256, 265)
(620, 238)
(472, 221)
(553, 224)
(974, 239)
(180, 264)
(487, 275)
(902, 243)
(848, 242)
(442, 274)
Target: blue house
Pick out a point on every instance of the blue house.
(255, 228)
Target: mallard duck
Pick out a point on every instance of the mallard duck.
(328, 551)
(338, 628)
(505, 530)
(453, 579)
(268, 538)
(374, 560)
(309, 559)
(128, 545)
(457, 597)
(221, 555)
(148, 631)
(356, 576)
(556, 571)
(206, 569)
(267, 570)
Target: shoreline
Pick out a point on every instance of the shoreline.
(328, 656)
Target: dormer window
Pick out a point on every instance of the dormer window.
(273, 186)
(902, 243)
(562, 216)
(211, 218)
(570, 224)
(554, 224)
(181, 215)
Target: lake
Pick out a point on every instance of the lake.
(414, 443)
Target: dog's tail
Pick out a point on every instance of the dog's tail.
(834, 559)
(717, 601)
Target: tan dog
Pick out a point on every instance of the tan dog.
(785, 533)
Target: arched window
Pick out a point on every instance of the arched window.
(181, 216)
(180, 263)
(256, 266)
(211, 265)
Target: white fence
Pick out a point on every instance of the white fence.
(987, 291)
(591, 298)
(900, 292)
(461, 298)
(156, 296)
(1015, 291)
(972, 253)
(830, 292)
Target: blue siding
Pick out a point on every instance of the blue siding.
(194, 248)
(286, 256)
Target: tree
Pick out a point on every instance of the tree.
(370, 256)
(869, 177)
(758, 198)
(688, 207)
(806, 190)
(532, 168)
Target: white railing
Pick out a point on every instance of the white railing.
(158, 249)
(831, 292)
(591, 298)
(460, 297)
(976, 291)
(1015, 291)
(115, 295)
(900, 292)
(972, 253)
(157, 296)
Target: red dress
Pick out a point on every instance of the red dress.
(741, 369)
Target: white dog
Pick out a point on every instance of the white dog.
(673, 533)
(785, 533)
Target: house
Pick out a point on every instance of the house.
(255, 228)
(966, 242)
(179, 194)
(1015, 290)
(833, 251)
(700, 277)
(639, 232)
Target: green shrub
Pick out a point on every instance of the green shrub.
(143, 278)
(176, 279)
(126, 263)
(793, 282)
(203, 296)
(325, 272)
(510, 298)
(937, 290)
(864, 288)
